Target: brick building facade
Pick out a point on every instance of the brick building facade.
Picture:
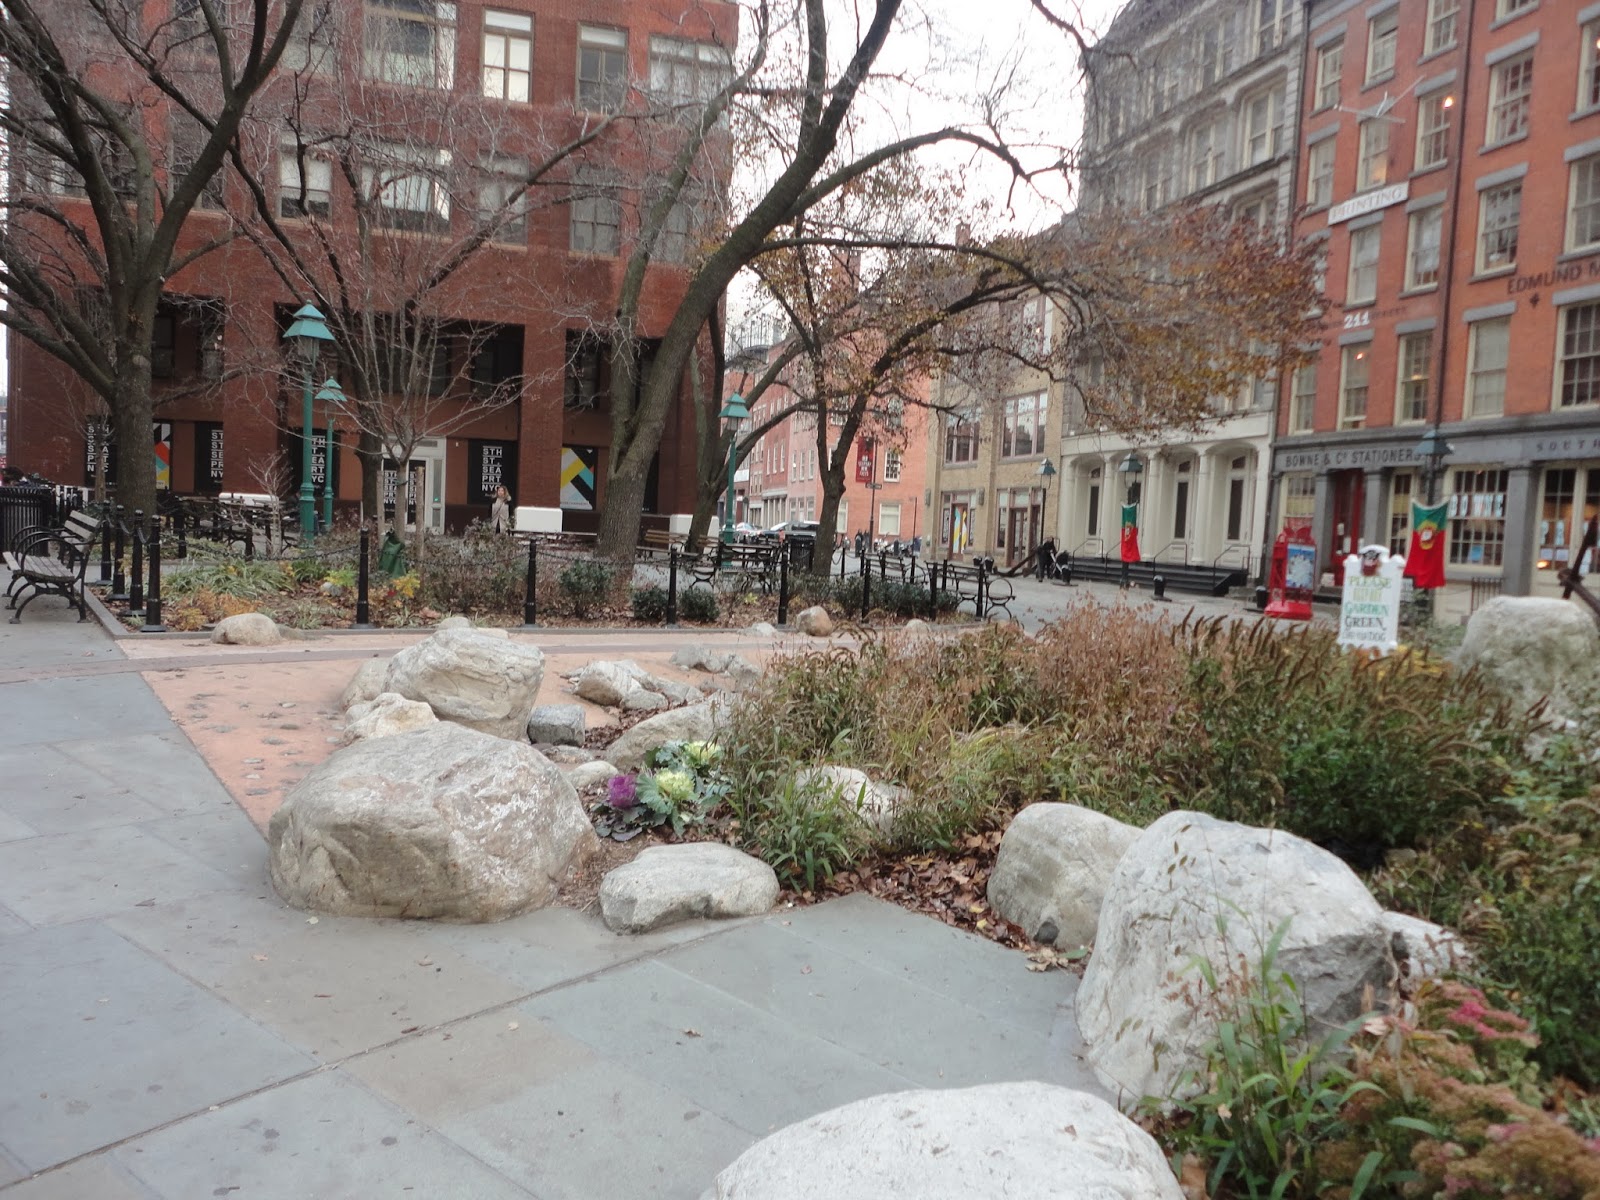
(227, 418)
(1449, 159)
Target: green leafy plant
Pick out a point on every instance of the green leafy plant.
(680, 785)
(806, 835)
(649, 603)
(586, 584)
(698, 605)
(227, 575)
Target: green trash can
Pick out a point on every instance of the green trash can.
(392, 555)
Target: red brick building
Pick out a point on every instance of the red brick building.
(227, 411)
(1449, 159)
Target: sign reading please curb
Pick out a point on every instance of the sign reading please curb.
(1369, 616)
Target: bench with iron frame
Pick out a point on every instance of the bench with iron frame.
(53, 562)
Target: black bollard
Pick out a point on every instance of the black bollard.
(119, 578)
(182, 519)
(152, 602)
(530, 605)
(1262, 595)
(783, 591)
(672, 586)
(363, 568)
(933, 592)
(866, 586)
(1158, 588)
(136, 583)
(106, 569)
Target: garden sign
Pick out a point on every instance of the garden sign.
(1369, 615)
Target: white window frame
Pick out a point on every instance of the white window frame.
(889, 513)
(1372, 154)
(1510, 99)
(386, 58)
(684, 72)
(1497, 244)
(1570, 352)
(892, 466)
(1330, 75)
(599, 90)
(1589, 67)
(1303, 399)
(596, 205)
(312, 45)
(1413, 375)
(1355, 376)
(1486, 375)
(1383, 33)
(1504, 9)
(1433, 130)
(405, 184)
(1583, 204)
(502, 176)
(1424, 235)
(1361, 281)
(1444, 23)
(1260, 127)
(1272, 24)
(1320, 159)
(317, 186)
(508, 56)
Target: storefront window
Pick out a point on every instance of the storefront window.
(1400, 512)
(1299, 498)
(1478, 518)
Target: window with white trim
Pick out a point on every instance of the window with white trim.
(408, 184)
(1303, 399)
(1416, 360)
(596, 213)
(1399, 512)
(506, 218)
(1486, 367)
(1353, 371)
(188, 140)
(1319, 173)
(1578, 356)
(507, 55)
(602, 68)
(685, 72)
(891, 467)
(1583, 204)
(1330, 74)
(1383, 32)
(960, 438)
(1499, 225)
(1361, 284)
(1589, 67)
(1510, 98)
(1205, 155)
(1372, 156)
(1261, 127)
(305, 182)
(889, 519)
(311, 45)
(410, 42)
(1272, 24)
(1510, 8)
(1023, 425)
(1444, 18)
(1433, 129)
(1478, 516)
(1422, 249)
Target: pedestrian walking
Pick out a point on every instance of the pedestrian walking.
(500, 511)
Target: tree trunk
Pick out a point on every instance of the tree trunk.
(370, 455)
(828, 521)
(133, 413)
(619, 514)
(705, 507)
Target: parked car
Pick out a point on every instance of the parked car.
(800, 531)
(744, 532)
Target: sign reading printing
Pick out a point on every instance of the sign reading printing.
(1369, 616)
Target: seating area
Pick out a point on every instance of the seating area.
(52, 561)
(1203, 578)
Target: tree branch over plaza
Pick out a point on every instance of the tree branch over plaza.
(107, 177)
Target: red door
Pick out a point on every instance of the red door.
(1349, 496)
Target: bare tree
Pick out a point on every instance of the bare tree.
(118, 121)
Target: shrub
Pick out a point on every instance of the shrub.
(807, 835)
(475, 575)
(227, 575)
(649, 603)
(698, 605)
(586, 584)
(681, 783)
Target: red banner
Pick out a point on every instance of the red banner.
(864, 463)
(1130, 533)
(1425, 561)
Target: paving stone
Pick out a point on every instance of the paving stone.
(72, 709)
(160, 768)
(81, 1074)
(11, 924)
(14, 830)
(321, 1136)
(224, 840)
(52, 793)
(97, 1178)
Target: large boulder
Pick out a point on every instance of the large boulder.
(1536, 647)
(386, 715)
(691, 723)
(444, 823)
(878, 803)
(761, 629)
(1426, 950)
(606, 683)
(1051, 873)
(668, 884)
(1033, 1140)
(814, 621)
(557, 724)
(366, 684)
(247, 629)
(469, 677)
(701, 658)
(1194, 889)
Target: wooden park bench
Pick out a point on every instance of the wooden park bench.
(52, 562)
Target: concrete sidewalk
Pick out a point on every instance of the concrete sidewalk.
(172, 1030)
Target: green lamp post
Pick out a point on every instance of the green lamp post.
(332, 395)
(306, 336)
(735, 413)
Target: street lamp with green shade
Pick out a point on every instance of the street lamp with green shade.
(331, 395)
(735, 413)
(306, 336)
(1047, 472)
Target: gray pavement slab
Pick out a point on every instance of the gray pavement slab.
(222, 838)
(322, 1136)
(54, 793)
(11, 924)
(61, 710)
(161, 768)
(97, 1178)
(12, 829)
(10, 1169)
(103, 1042)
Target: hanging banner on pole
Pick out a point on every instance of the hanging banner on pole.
(1425, 562)
(1130, 533)
(864, 464)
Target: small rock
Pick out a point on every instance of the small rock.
(387, 715)
(247, 629)
(699, 658)
(454, 623)
(877, 802)
(605, 683)
(668, 884)
(558, 724)
(917, 625)
(1051, 873)
(1428, 951)
(741, 672)
(814, 622)
(471, 678)
(643, 701)
(569, 755)
(590, 774)
(764, 629)
(691, 723)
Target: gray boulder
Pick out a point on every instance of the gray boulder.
(607, 683)
(642, 700)
(558, 724)
(587, 775)
(814, 621)
(473, 679)
(446, 823)
(366, 684)
(1143, 1009)
(878, 803)
(1426, 950)
(385, 715)
(1536, 648)
(761, 629)
(493, 631)
(1051, 873)
(741, 672)
(247, 629)
(917, 625)
(668, 884)
(691, 723)
(700, 658)
(1033, 1140)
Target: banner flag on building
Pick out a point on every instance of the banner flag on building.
(1130, 533)
(1425, 562)
(865, 467)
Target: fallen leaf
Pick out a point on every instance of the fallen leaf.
(512, 1024)
(311, 920)
(259, 957)
(322, 995)
(806, 970)
(691, 1033)
(411, 1029)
